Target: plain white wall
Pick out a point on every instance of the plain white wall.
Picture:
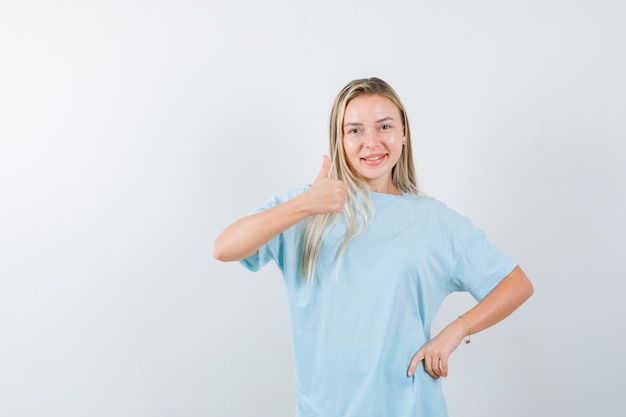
(132, 132)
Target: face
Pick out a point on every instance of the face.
(372, 140)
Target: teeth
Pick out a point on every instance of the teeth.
(375, 158)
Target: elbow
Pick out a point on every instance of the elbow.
(530, 290)
(226, 253)
(526, 292)
(526, 287)
(219, 252)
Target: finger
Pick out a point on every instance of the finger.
(325, 168)
(433, 368)
(443, 365)
(417, 358)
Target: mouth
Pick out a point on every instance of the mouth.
(374, 159)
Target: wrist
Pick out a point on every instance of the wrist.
(303, 206)
(466, 327)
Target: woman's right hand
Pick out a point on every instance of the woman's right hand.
(244, 237)
(326, 195)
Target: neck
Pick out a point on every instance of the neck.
(385, 188)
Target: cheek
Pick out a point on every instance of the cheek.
(349, 148)
(392, 142)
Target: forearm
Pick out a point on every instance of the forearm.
(244, 237)
(509, 294)
(505, 298)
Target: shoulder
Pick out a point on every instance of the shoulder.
(291, 193)
(429, 204)
(438, 214)
(283, 197)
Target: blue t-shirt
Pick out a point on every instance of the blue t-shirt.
(354, 333)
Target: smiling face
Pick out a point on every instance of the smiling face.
(373, 135)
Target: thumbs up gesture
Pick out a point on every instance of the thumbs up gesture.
(327, 195)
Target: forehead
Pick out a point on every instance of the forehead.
(370, 107)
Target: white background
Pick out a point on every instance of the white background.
(132, 132)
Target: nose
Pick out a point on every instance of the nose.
(370, 138)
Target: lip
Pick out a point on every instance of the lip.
(374, 159)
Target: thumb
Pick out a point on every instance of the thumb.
(417, 358)
(325, 168)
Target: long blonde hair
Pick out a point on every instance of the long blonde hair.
(358, 209)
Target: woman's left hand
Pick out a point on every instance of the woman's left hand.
(509, 294)
(436, 353)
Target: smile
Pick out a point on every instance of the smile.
(373, 160)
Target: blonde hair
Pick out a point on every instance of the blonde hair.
(358, 209)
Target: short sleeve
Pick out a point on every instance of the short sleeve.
(274, 249)
(480, 267)
(259, 259)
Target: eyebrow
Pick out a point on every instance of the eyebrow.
(384, 119)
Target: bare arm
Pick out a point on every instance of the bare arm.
(244, 237)
(505, 298)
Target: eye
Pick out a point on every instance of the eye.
(353, 130)
(385, 127)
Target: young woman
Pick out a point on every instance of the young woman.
(367, 262)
